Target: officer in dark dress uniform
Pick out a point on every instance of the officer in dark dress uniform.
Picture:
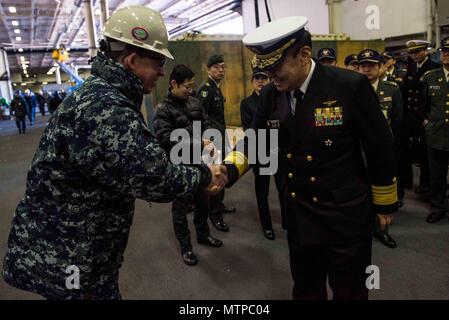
(436, 94)
(327, 57)
(213, 101)
(324, 117)
(389, 94)
(248, 108)
(414, 116)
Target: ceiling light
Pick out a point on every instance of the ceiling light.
(12, 9)
(45, 82)
(22, 58)
(18, 38)
(20, 50)
(17, 31)
(24, 84)
(15, 23)
(27, 76)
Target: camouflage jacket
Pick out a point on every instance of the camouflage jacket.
(95, 158)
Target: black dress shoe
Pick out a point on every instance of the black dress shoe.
(210, 241)
(221, 226)
(229, 209)
(385, 239)
(434, 217)
(422, 189)
(189, 258)
(269, 234)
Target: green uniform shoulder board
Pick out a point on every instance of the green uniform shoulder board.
(391, 83)
(429, 72)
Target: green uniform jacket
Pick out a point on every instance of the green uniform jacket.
(436, 93)
(94, 159)
(390, 99)
(213, 101)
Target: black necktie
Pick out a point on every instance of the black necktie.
(298, 94)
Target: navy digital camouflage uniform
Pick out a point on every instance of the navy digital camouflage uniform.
(95, 158)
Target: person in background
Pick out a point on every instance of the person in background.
(31, 104)
(19, 111)
(213, 102)
(370, 64)
(248, 108)
(180, 110)
(436, 97)
(351, 62)
(413, 128)
(55, 101)
(327, 57)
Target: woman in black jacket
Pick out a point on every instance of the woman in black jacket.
(180, 110)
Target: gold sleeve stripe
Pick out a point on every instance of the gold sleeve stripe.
(385, 195)
(239, 160)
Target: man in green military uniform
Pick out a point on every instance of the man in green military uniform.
(390, 100)
(436, 94)
(96, 156)
(393, 73)
(213, 101)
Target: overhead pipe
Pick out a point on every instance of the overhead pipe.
(89, 16)
(104, 11)
(232, 5)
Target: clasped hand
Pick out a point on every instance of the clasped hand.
(219, 178)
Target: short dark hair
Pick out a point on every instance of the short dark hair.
(181, 73)
(306, 40)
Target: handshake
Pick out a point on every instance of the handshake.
(219, 172)
(219, 178)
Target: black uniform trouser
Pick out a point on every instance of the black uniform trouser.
(439, 161)
(180, 223)
(405, 166)
(217, 207)
(20, 122)
(262, 185)
(345, 266)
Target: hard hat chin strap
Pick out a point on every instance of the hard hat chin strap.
(108, 45)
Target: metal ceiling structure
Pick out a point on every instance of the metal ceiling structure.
(31, 29)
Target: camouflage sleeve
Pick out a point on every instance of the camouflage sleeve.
(118, 151)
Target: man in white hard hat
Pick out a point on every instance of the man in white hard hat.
(324, 116)
(96, 156)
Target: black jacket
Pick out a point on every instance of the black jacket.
(248, 108)
(174, 113)
(414, 104)
(330, 192)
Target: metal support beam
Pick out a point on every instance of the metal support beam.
(104, 11)
(89, 16)
(58, 75)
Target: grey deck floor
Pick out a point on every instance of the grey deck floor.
(248, 266)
